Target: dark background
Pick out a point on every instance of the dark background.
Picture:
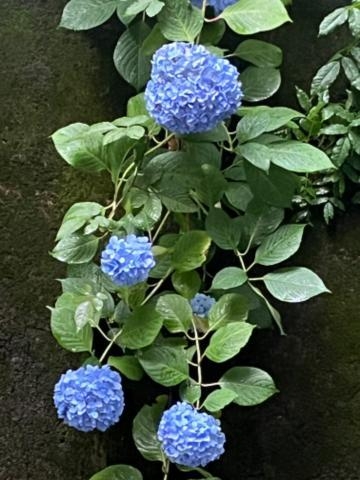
(51, 77)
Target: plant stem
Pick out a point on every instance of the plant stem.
(163, 221)
(166, 469)
(107, 349)
(199, 358)
(240, 257)
(103, 334)
(156, 288)
(160, 144)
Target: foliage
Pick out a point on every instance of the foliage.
(182, 204)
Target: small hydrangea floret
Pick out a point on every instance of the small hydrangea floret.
(191, 90)
(189, 437)
(201, 304)
(127, 261)
(89, 398)
(218, 5)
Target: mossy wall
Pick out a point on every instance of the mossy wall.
(51, 77)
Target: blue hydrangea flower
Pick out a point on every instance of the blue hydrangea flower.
(201, 304)
(219, 5)
(128, 260)
(89, 398)
(190, 438)
(191, 90)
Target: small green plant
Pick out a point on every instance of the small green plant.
(197, 178)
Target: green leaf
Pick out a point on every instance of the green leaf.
(186, 284)
(325, 77)
(86, 14)
(176, 312)
(295, 284)
(259, 221)
(165, 365)
(229, 277)
(239, 195)
(76, 248)
(121, 10)
(190, 392)
(247, 17)
(231, 307)
(153, 41)
(260, 83)
(88, 313)
(79, 147)
(299, 157)
(259, 53)
(223, 230)
(333, 20)
(228, 341)
(218, 134)
(118, 472)
(280, 245)
(258, 120)
(179, 21)
(351, 71)
(354, 21)
(128, 366)
(218, 399)
(252, 385)
(64, 329)
(76, 217)
(340, 151)
(257, 154)
(129, 59)
(212, 33)
(141, 328)
(275, 187)
(145, 427)
(190, 250)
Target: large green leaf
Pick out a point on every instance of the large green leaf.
(333, 20)
(231, 307)
(165, 365)
(64, 329)
(247, 17)
(129, 59)
(223, 230)
(299, 157)
(259, 53)
(128, 366)
(252, 385)
(76, 217)
(145, 428)
(186, 284)
(218, 399)
(79, 147)
(280, 245)
(85, 14)
(229, 277)
(176, 312)
(324, 77)
(258, 120)
(295, 284)
(276, 187)
(190, 251)
(118, 472)
(179, 21)
(227, 342)
(259, 221)
(260, 83)
(142, 327)
(76, 248)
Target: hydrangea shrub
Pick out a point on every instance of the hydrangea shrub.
(182, 264)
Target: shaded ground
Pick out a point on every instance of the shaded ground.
(50, 78)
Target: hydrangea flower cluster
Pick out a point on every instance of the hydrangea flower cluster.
(191, 90)
(127, 261)
(89, 398)
(190, 438)
(201, 304)
(219, 5)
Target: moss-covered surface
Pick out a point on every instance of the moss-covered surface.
(310, 431)
(49, 78)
